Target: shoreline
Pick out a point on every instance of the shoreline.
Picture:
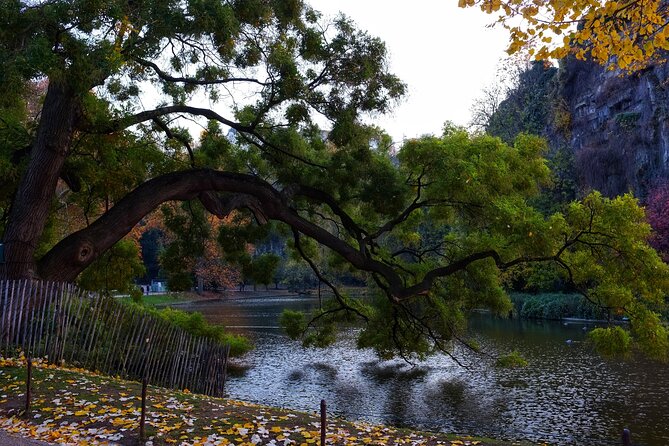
(74, 406)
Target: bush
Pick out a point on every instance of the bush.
(179, 282)
(555, 306)
(136, 295)
(194, 323)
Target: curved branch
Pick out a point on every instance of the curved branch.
(171, 135)
(148, 115)
(194, 81)
(245, 130)
(74, 253)
(322, 278)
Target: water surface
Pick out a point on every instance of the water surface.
(567, 394)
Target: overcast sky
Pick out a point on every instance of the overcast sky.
(446, 55)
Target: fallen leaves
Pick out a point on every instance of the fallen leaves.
(71, 406)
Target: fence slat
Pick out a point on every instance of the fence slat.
(60, 321)
(10, 317)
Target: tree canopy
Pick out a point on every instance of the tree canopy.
(624, 34)
(432, 226)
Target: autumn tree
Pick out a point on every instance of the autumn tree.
(657, 208)
(123, 79)
(628, 35)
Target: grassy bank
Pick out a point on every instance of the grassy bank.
(554, 306)
(77, 407)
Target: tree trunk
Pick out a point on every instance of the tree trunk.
(32, 203)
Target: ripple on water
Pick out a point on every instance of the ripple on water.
(566, 395)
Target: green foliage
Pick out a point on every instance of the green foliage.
(297, 276)
(481, 194)
(627, 121)
(179, 281)
(195, 324)
(555, 306)
(527, 107)
(611, 341)
(263, 268)
(513, 359)
(293, 323)
(434, 226)
(114, 270)
(136, 295)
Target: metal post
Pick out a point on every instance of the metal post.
(323, 422)
(627, 437)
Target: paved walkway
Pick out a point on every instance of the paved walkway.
(7, 439)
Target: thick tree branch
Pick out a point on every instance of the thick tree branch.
(148, 115)
(322, 278)
(194, 81)
(69, 257)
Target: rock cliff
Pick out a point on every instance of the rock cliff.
(616, 126)
(619, 130)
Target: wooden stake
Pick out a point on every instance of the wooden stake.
(323, 422)
(29, 378)
(142, 417)
(627, 437)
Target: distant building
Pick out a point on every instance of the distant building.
(158, 286)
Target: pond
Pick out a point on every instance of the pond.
(567, 394)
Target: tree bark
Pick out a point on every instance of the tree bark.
(74, 253)
(30, 209)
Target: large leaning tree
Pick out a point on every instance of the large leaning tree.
(94, 100)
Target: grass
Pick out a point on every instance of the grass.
(78, 407)
(163, 299)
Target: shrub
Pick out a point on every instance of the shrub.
(136, 295)
(195, 324)
(555, 306)
(181, 281)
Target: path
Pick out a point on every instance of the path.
(7, 439)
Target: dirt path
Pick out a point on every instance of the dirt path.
(8, 439)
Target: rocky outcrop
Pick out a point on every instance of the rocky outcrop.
(616, 126)
(619, 130)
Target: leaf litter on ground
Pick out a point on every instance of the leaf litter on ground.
(75, 406)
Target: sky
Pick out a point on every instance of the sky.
(445, 54)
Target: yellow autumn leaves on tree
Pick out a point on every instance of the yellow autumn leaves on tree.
(620, 34)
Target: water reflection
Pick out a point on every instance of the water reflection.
(566, 395)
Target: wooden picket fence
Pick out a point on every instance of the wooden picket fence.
(61, 322)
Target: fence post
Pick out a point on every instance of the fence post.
(323, 422)
(226, 352)
(29, 378)
(627, 437)
(142, 418)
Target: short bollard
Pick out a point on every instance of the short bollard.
(627, 437)
(29, 378)
(323, 422)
